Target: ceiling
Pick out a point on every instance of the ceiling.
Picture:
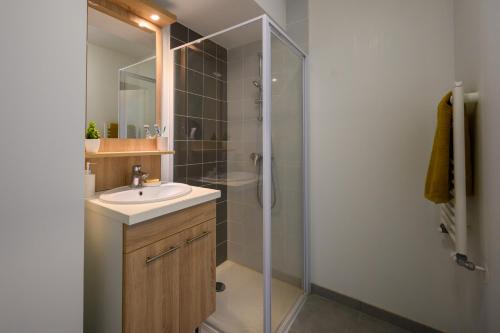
(209, 16)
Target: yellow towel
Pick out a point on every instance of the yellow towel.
(438, 183)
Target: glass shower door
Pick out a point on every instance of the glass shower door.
(217, 101)
(238, 102)
(287, 188)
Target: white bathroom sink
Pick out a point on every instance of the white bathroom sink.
(127, 195)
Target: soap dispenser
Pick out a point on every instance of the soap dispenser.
(89, 181)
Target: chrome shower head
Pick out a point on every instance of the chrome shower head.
(257, 84)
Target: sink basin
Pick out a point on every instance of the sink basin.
(127, 195)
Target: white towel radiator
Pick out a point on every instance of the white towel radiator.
(454, 213)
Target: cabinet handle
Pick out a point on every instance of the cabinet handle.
(158, 256)
(205, 233)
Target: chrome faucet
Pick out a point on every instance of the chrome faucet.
(138, 177)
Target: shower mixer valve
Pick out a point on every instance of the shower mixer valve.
(256, 158)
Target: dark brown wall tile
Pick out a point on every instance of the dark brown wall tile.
(210, 108)
(179, 31)
(210, 87)
(195, 59)
(194, 128)
(200, 107)
(195, 152)
(193, 35)
(180, 128)
(180, 156)
(194, 82)
(180, 103)
(180, 173)
(221, 253)
(210, 66)
(195, 106)
(194, 174)
(210, 47)
(221, 230)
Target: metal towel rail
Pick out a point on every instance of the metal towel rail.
(454, 213)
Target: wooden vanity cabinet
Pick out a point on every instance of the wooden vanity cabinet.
(152, 286)
(166, 283)
(169, 286)
(197, 292)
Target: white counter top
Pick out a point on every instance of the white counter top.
(131, 214)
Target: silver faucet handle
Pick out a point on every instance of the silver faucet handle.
(144, 175)
(256, 158)
(136, 168)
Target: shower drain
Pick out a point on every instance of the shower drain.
(220, 287)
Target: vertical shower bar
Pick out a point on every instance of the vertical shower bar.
(266, 188)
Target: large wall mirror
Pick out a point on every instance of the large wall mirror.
(123, 73)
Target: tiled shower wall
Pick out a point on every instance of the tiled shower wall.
(200, 124)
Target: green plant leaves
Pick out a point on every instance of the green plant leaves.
(92, 132)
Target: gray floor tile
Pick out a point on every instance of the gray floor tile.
(322, 315)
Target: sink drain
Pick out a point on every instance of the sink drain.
(220, 287)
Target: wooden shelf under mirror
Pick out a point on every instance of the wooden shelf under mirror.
(128, 153)
(128, 148)
(115, 158)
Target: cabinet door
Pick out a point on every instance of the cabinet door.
(151, 288)
(197, 275)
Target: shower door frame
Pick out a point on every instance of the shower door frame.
(269, 28)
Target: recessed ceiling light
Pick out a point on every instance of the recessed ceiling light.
(155, 17)
(143, 24)
(274, 79)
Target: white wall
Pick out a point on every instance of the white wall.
(378, 70)
(297, 22)
(42, 103)
(478, 65)
(276, 9)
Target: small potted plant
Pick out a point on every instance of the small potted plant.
(92, 141)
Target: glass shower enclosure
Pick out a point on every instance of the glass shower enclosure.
(239, 126)
(136, 98)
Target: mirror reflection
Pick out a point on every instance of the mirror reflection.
(121, 77)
